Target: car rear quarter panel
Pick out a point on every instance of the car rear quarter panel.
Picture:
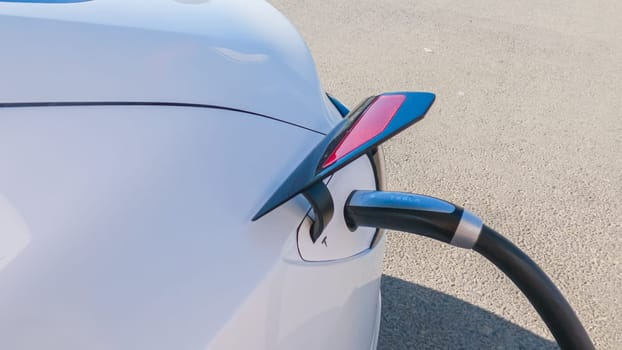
(136, 234)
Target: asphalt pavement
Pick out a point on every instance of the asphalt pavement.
(526, 132)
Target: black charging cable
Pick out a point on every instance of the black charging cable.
(452, 224)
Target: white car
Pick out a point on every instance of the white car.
(173, 176)
(137, 141)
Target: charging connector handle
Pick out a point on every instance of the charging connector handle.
(423, 215)
(451, 224)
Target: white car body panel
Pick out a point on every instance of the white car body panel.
(239, 54)
(129, 226)
(140, 235)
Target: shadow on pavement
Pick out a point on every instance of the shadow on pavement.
(416, 317)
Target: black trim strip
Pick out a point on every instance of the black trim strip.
(142, 103)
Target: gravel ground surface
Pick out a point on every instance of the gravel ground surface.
(526, 132)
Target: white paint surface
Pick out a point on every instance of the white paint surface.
(14, 233)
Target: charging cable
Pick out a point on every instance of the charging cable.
(449, 223)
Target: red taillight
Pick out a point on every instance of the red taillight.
(373, 121)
